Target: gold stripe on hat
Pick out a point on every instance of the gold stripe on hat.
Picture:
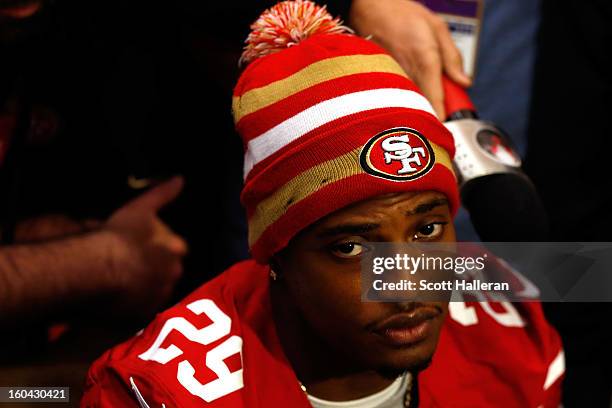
(316, 73)
(270, 209)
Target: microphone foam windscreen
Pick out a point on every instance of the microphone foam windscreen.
(505, 208)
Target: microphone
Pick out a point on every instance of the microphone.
(503, 203)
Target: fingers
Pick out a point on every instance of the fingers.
(178, 246)
(428, 75)
(418, 38)
(166, 254)
(169, 268)
(170, 265)
(167, 239)
(452, 62)
(159, 196)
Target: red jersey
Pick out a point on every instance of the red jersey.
(219, 348)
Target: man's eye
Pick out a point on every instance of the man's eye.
(348, 249)
(430, 231)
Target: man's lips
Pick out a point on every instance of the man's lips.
(408, 328)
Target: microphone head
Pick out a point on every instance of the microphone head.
(456, 98)
(505, 207)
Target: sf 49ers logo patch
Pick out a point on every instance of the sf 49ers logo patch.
(398, 154)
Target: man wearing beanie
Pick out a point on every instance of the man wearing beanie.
(341, 149)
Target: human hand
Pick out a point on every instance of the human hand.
(146, 254)
(417, 38)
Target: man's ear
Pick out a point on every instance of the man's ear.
(275, 264)
(279, 260)
(279, 264)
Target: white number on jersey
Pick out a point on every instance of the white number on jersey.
(466, 315)
(220, 327)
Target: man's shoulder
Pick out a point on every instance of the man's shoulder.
(159, 363)
(491, 352)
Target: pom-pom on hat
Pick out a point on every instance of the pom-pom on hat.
(328, 119)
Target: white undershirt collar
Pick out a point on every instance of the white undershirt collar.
(389, 397)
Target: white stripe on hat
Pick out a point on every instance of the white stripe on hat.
(269, 142)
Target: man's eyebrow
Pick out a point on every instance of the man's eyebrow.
(352, 229)
(426, 207)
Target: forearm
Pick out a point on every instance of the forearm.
(39, 280)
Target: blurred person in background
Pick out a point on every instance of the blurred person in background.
(77, 247)
(99, 102)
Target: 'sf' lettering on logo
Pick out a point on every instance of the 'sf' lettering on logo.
(398, 154)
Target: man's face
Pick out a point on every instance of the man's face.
(321, 270)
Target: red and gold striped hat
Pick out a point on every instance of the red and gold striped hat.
(328, 119)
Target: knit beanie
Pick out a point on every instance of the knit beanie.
(328, 119)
